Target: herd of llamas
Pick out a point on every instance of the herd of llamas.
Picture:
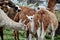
(33, 22)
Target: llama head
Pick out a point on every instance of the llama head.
(30, 18)
(41, 7)
(17, 8)
(23, 26)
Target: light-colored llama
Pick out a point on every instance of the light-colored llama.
(6, 22)
(33, 27)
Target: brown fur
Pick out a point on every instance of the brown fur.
(51, 5)
(11, 13)
(22, 15)
(47, 18)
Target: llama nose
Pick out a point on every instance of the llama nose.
(19, 10)
(25, 27)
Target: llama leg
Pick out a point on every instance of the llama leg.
(53, 34)
(53, 31)
(30, 36)
(2, 37)
(38, 33)
(17, 35)
(43, 33)
(27, 35)
(35, 36)
(1, 34)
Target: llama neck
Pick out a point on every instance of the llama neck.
(7, 22)
(32, 25)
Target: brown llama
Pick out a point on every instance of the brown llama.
(22, 15)
(47, 19)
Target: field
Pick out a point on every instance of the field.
(8, 33)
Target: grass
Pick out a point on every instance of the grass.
(8, 35)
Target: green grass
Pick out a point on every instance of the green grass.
(8, 35)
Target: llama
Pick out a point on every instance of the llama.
(22, 15)
(6, 22)
(11, 14)
(47, 19)
(33, 27)
(30, 26)
(11, 11)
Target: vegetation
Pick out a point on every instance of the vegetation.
(8, 35)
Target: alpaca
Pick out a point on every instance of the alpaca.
(47, 19)
(6, 22)
(22, 15)
(33, 27)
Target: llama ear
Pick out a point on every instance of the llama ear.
(33, 15)
(20, 21)
(24, 21)
(8, 7)
(27, 15)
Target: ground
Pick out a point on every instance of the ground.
(8, 35)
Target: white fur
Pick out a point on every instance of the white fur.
(38, 33)
(43, 34)
(8, 7)
(32, 26)
(6, 22)
(31, 21)
(30, 36)
(53, 31)
(18, 7)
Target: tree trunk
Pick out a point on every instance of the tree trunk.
(51, 5)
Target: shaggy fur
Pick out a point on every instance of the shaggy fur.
(6, 22)
(47, 18)
(22, 15)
